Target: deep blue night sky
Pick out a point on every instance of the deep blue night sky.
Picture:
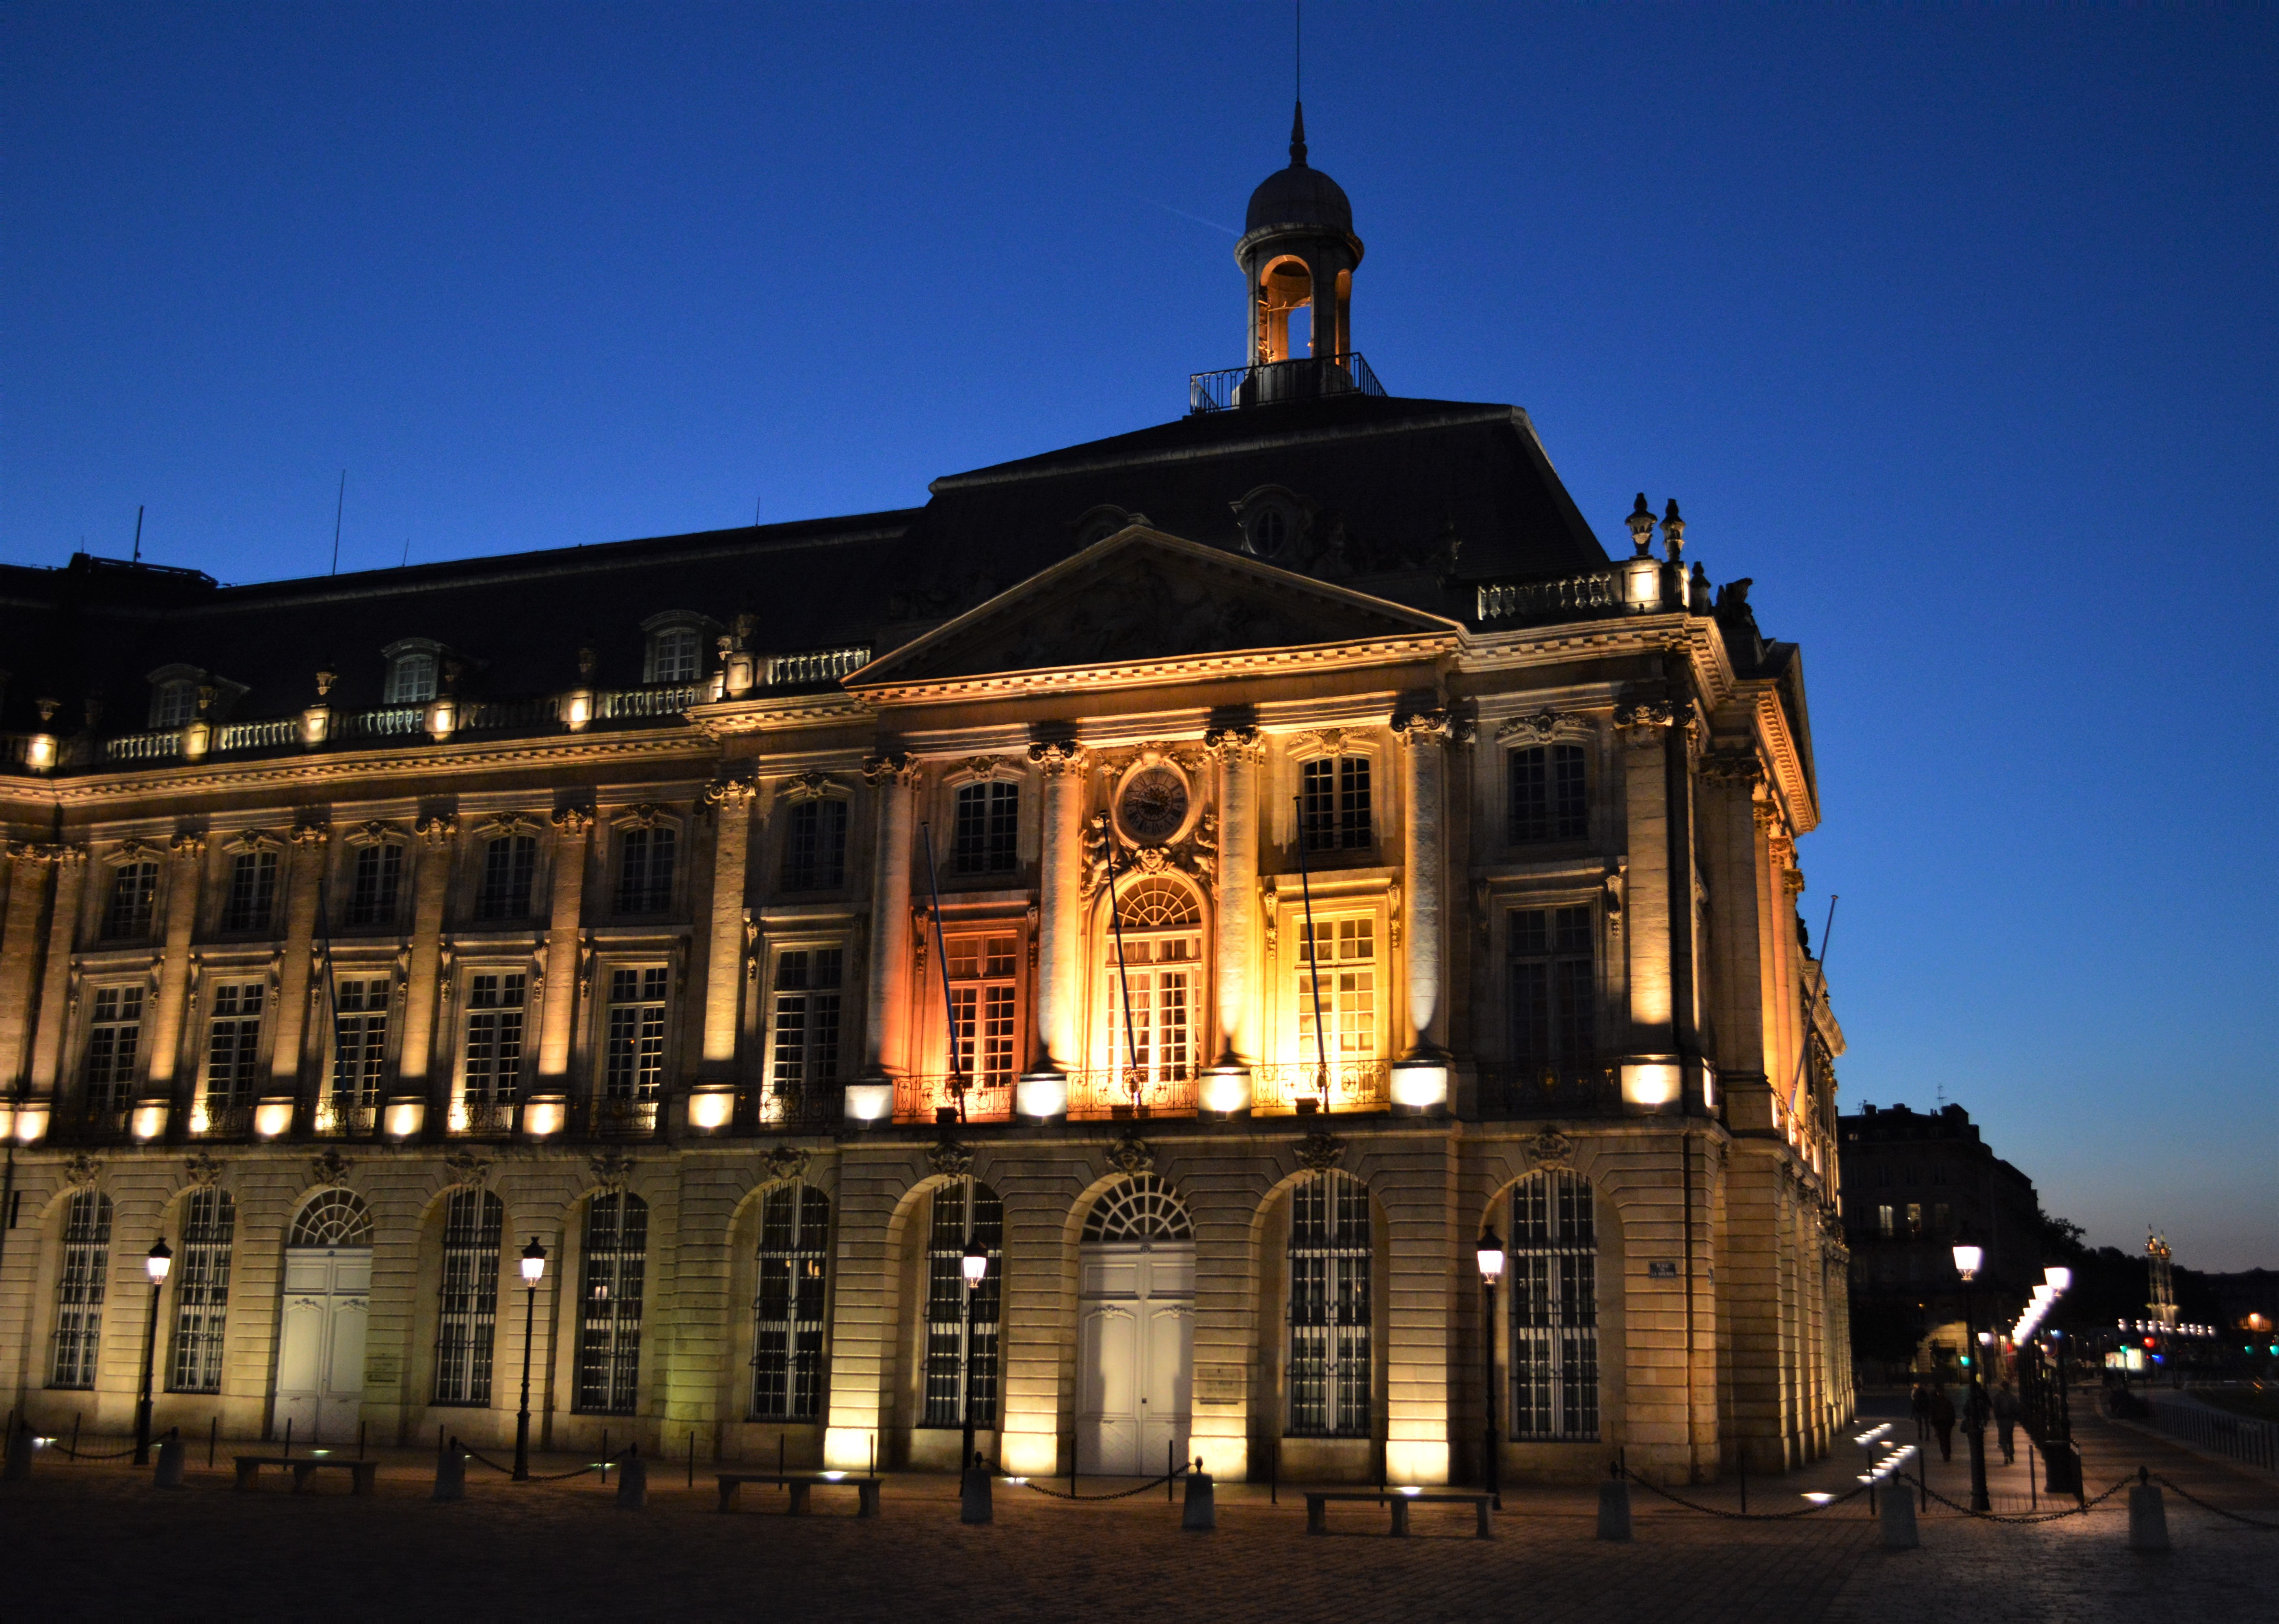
(1954, 329)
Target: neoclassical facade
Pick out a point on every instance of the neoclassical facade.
(1214, 875)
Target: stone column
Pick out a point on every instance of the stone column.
(59, 986)
(1237, 750)
(1423, 736)
(20, 954)
(1644, 729)
(1732, 957)
(558, 1018)
(731, 799)
(296, 980)
(171, 1004)
(1060, 907)
(886, 998)
(431, 890)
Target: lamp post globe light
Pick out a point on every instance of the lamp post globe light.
(534, 1270)
(974, 1266)
(1491, 1262)
(155, 1262)
(1966, 1260)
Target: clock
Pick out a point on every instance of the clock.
(1153, 805)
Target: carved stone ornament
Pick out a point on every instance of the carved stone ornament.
(204, 1172)
(897, 767)
(1542, 727)
(803, 785)
(1731, 767)
(730, 791)
(436, 828)
(1330, 740)
(785, 1161)
(1131, 1154)
(81, 1168)
(1793, 882)
(329, 1167)
(467, 1167)
(950, 1159)
(511, 824)
(571, 822)
(188, 844)
(986, 766)
(1318, 1152)
(648, 815)
(1551, 1149)
(252, 840)
(612, 1168)
(312, 833)
(1056, 756)
(1421, 726)
(1645, 713)
(136, 851)
(1235, 744)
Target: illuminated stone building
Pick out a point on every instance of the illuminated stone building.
(1322, 851)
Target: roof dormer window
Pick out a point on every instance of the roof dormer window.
(174, 702)
(412, 668)
(674, 647)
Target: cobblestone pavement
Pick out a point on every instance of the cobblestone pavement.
(98, 1541)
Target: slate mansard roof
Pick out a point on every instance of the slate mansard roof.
(1411, 500)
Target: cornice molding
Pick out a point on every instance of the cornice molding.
(1062, 679)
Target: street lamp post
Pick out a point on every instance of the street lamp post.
(156, 1262)
(1492, 1259)
(534, 1269)
(1967, 1260)
(973, 1265)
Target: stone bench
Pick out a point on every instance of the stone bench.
(866, 1488)
(1317, 1503)
(361, 1473)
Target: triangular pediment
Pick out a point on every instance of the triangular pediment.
(1143, 597)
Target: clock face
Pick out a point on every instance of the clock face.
(1154, 804)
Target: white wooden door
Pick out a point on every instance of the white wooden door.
(321, 1349)
(1135, 1357)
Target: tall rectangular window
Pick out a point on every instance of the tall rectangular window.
(609, 1312)
(466, 1309)
(1554, 1309)
(493, 1052)
(958, 1366)
(674, 654)
(134, 899)
(233, 1045)
(989, 835)
(635, 1060)
(1330, 1251)
(114, 1038)
(1547, 798)
(1337, 975)
(787, 1312)
(359, 1049)
(200, 1284)
(1884, 1226)
(1333, 804)
(815, 845)
(1553, 989)
(985, 996)
(79, 1277)
(375, 883)
(807, 1018)
(645, 870)
(252, 892)
(510, 864)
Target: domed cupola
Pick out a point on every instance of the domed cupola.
(1299, 252)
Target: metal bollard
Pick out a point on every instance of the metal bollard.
(632, 1479)
(20, 1453)
(1614, 1509)
(1898, 1514)
(1202, 1509)
(451, 1472)
(171, 1459)
(2148, 1517)
(973, 1493)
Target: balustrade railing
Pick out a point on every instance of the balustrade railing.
(1288, 1090)
(488, 714)
(796, 671)
(617, 1117)
(1526, 1090)
(225, 1121)
(1569, 597)
(340, 1118)
(154, 746)
(1112, 1096)
(938, 1100)
(764, 1109)
(270, 733)
(482, 1119)
(387, 721)
(1307, 377)
(669, 700)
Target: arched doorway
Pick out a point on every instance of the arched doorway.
(1136, 1328)
(327, 1308)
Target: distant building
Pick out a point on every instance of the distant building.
(1915, 1183)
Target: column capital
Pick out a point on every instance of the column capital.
(1235, 744)
(571, 822)
(312, 833)
(729, 789)
(437, 828)
(1057, 756)
(1739, 766)
(1422, 726)
(63, 854)
(188, 844)
(896, 767)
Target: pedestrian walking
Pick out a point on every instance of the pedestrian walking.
(1942, 1421)
(1919, 1407)
(2005, 1416)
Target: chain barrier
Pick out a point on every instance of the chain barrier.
(67, 1451)
(1740, 1516)
(2029, 1517)
(2269, 1528)
(1122, 1494)
(548, 1477)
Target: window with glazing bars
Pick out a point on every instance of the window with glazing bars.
(1336, 962)
(1554, 990)
(200, 1284)
(510, 864)
(374, 882)
(1554, 1309)
(466, 1309)
(609, 1310)
(985, 997)
(1548, 797)
(635, 1061)
(80, 1276)
(252, 892)
(964, 1210)
(233, 1044)
(1333, 803)
(134, 898)
(1330, 1363)
(807, 1017)
(815, 845)
(988, 833)
(114, 1036)
(359, 1041)
(787, 1312)
(645, 870)
(674, 654)
(493, 1046)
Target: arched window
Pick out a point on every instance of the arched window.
(335, 1219)
(609, 1310)
(957, 1366)
(1142, 1207)
(1329, 1306)
(1554, 1309)
(201, 1283)
(787, 1308)
(173, 702)
(467, 1317)
(80, 1278)
(410, 677)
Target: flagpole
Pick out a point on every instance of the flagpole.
(941, 954)
(1313, 952)
(1123, 981)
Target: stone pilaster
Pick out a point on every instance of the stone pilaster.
(1060, 907)
(29, 865)
(297, 985)
(887, 994)
(565, 910)
(1424, 859)
(171, 1011)
(731, 799)
(1238, 752)
(431, 891)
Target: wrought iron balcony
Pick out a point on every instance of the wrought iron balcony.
(1296, 1091)
(1309, 378)
(768, 1109)
(1532, 1089)
(615, 1116)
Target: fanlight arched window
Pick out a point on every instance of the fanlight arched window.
(466, 1320)
(1142, 1207)
(336, 1218)
(1154, 954)
(1555, 1308)
(1154, 903)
